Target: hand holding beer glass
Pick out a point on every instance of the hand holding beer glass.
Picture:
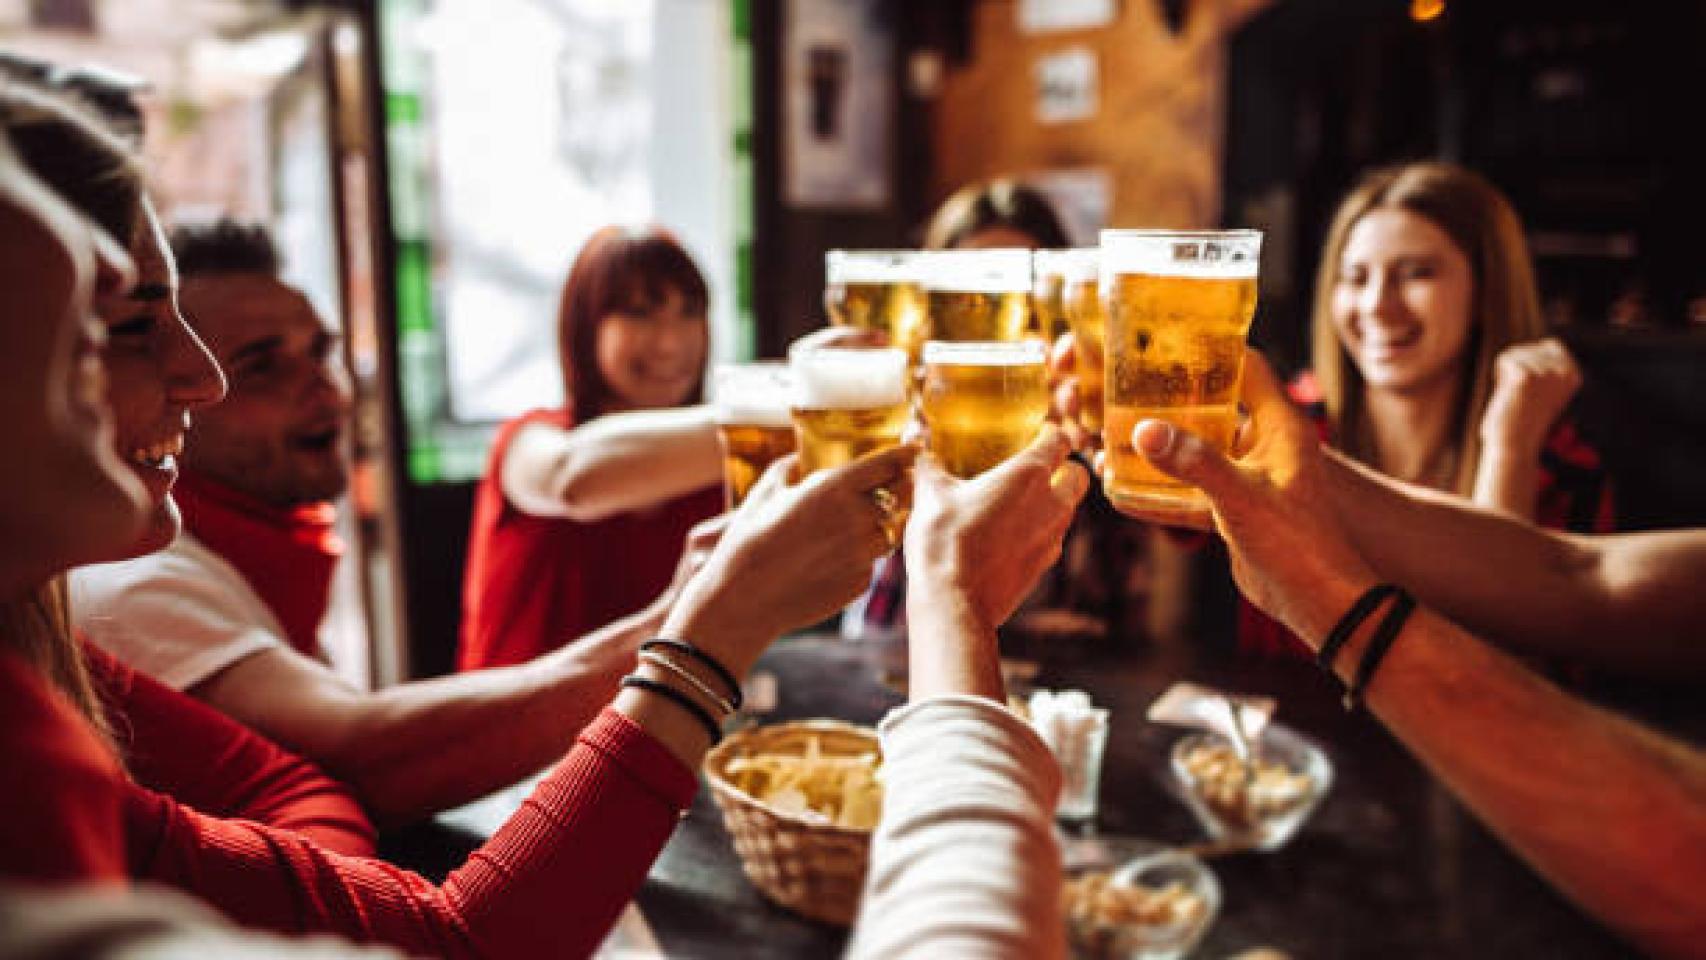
(978, 294)
(982, 402)
(1178, 307)
(751, 404)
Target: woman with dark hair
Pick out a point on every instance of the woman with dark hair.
(999, 213)
(584, 509)
(554, 878)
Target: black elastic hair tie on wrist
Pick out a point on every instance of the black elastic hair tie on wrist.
(1377, 647)
(1348, 624)
(723, 673)
(681, 700)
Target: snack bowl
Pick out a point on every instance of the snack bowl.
(1131, 899)
(1260, 811)
(797, 857)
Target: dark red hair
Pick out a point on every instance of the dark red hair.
(619, 270)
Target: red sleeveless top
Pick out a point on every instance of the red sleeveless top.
(535, 583)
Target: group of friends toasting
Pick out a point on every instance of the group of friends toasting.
(169, 722)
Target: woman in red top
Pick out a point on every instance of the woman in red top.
(1430, 358)
(586, 836)
(583, 510)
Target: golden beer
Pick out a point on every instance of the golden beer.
(847, 403)
(978, 295)
(1178, 308)
(750, 402)
(1081, 302)
(876, 290)
(983, 402)
(965, 316)
(1048, 311)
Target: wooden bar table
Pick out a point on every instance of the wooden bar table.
(1389, 865)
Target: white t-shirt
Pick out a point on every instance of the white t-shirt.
(180, 615)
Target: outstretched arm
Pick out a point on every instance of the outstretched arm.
(1629, 602)
(1614, 815)
(613, 464)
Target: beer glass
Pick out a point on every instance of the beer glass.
(847, 402)
(876, 290)
(1048, 312)
(1081, 302)
(1178, 307)
(978, 294)
(751, 405)
(983, 401)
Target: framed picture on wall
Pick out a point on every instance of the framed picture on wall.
(837, 103)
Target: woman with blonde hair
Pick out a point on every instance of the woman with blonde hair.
(1430, 351)
(1431, 360)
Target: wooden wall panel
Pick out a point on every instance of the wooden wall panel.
(1159, 122)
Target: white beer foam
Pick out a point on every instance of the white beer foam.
(871, 266)
(978, 271)
(1234, 255)
(851, 379)
(747, 411)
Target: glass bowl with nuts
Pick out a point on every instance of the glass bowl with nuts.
(1130, 899)
(1258, 804)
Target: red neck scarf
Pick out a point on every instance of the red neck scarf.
(287, 554)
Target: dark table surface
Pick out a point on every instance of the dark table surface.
(1388, 866)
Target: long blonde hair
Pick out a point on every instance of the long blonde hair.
(1504, 306)
(37, 627)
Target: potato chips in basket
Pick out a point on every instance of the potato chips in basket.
(800, 800)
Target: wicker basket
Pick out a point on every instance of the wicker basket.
(814, 869)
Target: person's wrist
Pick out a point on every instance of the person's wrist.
(715, 621)
(1323, 606)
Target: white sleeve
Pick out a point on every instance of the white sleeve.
(964, 862)
(180, 615)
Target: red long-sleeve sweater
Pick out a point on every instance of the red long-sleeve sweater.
(550, 883)
(181, 747)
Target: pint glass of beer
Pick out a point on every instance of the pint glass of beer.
(847, 402)
(1081, 302)
(978, 294)
(1178, 306)
(876, 290)
(1048, 313)
(983, 401)
(751, 402)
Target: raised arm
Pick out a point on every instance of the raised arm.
(1612, 814)
(613, 464)
(1532, 385)
(553, 879)
(964, 861)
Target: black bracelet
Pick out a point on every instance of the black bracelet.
(1348, 624)
(1378, 645)
(723, 673)
(682, 700)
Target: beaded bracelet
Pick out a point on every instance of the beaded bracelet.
(723, 673)
(1378, 644)
(1348, 624)
(681, 700)
(669, 666)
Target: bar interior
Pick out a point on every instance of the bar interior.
(807, 478)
